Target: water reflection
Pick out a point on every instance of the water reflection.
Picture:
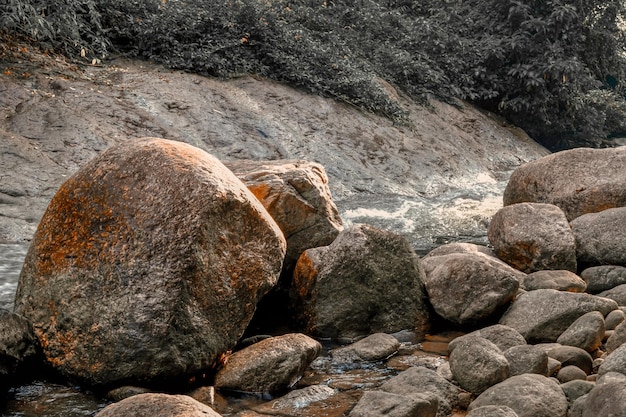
(11, 260)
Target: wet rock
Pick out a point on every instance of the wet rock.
(268, 366)
(502, 336)
(527, 359)
(492, 411)
(614, 318)
(147, 265)
(601, 237)
(571, 373)
(616, 293)
(305, 401)
(367, 281)
(533, 237)
(617, 338)
(579, 181)
(372, 348)
(543, 315)
(18, 347)
(469, 288)
(423, 381)
(162, 405)
(603, 277)
(570, 355)
(385, 404)
(587, 332)
(478, 364)
(576, 388)
(606, 400)
(118, 394)
(557, 280)
(529, 395)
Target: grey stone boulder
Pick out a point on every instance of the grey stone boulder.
(557, 280)
(477, 364)
(601, 237)
(603, 277)
(614, 319)
(529, 395)
(527, 359)
(576, 388)
(148, 264)
(19, 347)
(533, 237)
(579, 181)
(423, 381)
(492, 411)
(606, 400)
(469, 288)
(367, 281)
(571, 373)
(587, 332)
(162, 405)
(385, 404)
(570, 355)
(459, 247)
(617, 338)
(375, 347)
(299, 401)
(618, 294)
(543, 315)
(271, 365)
(502, 336)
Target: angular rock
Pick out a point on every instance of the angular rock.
(367, 281)
(604, 277)
(502, 336)
(527, 359)
(533, 237)
(162, 405)
(385, 404)
(492, 411)
(423, 381)
(571, 373)
(469, 288)
(579, 181)
(617, 338)
(375, 347)
(601, 237)
(529, 395)
(586, 333)
(269, 366)
(614, 319)
(478, 364)
(147, 264)
(606, 400)
(556, 280)
(618, 294)
(543, 315)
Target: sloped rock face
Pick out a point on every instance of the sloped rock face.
(579, 181)
(147, 264)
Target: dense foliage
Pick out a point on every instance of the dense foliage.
(554, 67)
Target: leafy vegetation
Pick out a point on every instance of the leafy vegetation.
(553, 67)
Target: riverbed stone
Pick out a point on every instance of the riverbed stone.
(147, 265)
(532, 237)
(269, 366)
(570, 355)
(603, 277)
(527, 359)
(529, 395)
(502, 336)
(571, 373)
(606, 400)
(579, 181)
(601, 237)
(367, 281)
(477, 364)
(576, 388)
(18, 347)
(587, 332)
(557, 280)
(469, 288)
(617, 338)
(614, 319)
(492, 411)
(543, 315)
(162, 405)
(459, 247)
(616, 293)
(375, 347)
(299, 401)
(386, 404)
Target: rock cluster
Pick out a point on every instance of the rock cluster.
(177, 276)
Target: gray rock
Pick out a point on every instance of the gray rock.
(527, 359)
(603, 277)
(423, 381)
(385, 404)
(576, 388)
(18, 344)
(269, 366)
(492, 411)
(571, 373)
(375, 347)
(543, 315)
(579, 181)
(162, 405)
(529, 395)
(477, 364)
(367, 281)
(587, 332)
(297, 401)
(120, 393)
(606, 400)
(148, 264)
(614, 362)
(614, 319)
(618, 294)
(570, 355)
(469, 288)
(577, 407)
(554, 366)
(617, 338)
(502, 336)
(459, 247)
(533, 237)
(609, 377)
(557, 280)
(601, 237)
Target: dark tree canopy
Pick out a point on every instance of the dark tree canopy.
(553, 67)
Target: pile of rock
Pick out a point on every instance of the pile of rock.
(151, 260)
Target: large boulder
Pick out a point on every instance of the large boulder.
(469, 288)
(543, 315)
(533, 237)
(601, 237)
(603, 277)
(162, 405)
(606, 400)
(557, 280)
(367, 281)
(503, 337)
(579, 181)
(148, 264)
